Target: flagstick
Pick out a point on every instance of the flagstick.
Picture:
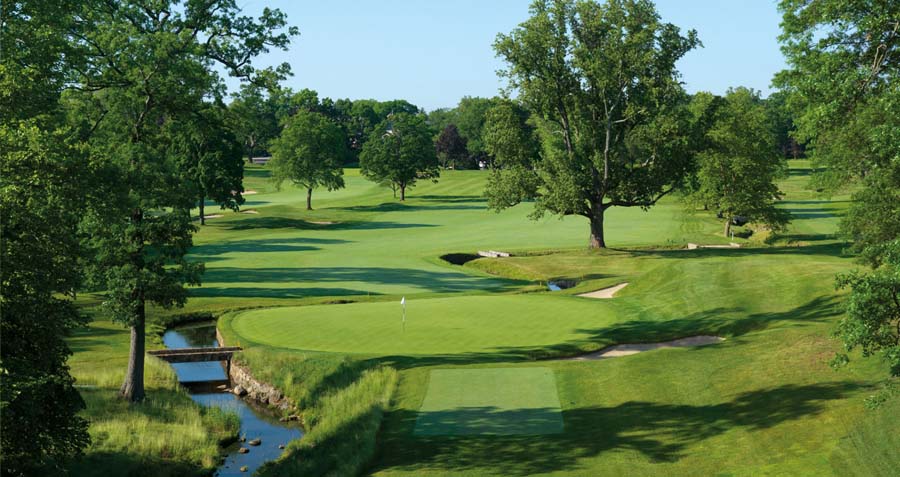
(403, 320)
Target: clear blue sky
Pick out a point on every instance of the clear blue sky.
(433, 52)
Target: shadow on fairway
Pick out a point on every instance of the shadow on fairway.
(251, 246)
(806, 238)
(707, 322)
(432, 281)
(833, 249)
(454, 199)
(300, 224)
(263, 292)
(401, 207)
(660, 432)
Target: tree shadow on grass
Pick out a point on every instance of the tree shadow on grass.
(834, 249)
(717, 321)
(300, 224)
(432, 281)
(661, 432)
(264, 292)
(252, 246)
(404, 207)
(103, 464)
(454, 199)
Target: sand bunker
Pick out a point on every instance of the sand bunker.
(251, 211)
(606, 292)
(248, 192)
(629, 349)
(323, 222)
(210, 216)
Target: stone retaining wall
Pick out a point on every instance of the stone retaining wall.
(244, 384)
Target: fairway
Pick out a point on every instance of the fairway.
(491, 401)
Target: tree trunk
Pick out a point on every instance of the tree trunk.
(133, 387)
(250, 154)
(727, 227)
(308, 198)
(597, 238)
(402, 192)
(202, 213)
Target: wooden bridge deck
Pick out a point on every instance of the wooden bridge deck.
(195, 355)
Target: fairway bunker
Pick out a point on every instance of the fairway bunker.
(491, 401)
(635, 348)
(605, 293)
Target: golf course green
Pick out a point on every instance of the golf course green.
(483, 389)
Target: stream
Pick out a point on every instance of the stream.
(205, 380)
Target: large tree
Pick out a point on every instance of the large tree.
(451, 147)
(310, 153)
(738, 168)
(400, 152)
(253, 118)
(470, 116)
(45, 181)
(844, 85)
(602, 80)
(211, 156)
(152, 65)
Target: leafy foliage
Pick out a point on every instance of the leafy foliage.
(603, 79)
(149, 69)
(872, 322)
(738, 168)
(514, 145)
(844, 84)
(310, 153)
(451, 148)
(44, 173)
(400, 152)
(252, 117)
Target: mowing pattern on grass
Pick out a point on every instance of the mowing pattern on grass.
(491, 401)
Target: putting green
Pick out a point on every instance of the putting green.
(493, 401)
(438, 326)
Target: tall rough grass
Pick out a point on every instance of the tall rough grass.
(167, 434)
(345, 423)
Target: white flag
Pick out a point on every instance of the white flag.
(403, 301)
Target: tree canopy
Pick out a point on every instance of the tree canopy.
(44, 175)
(843, 83)
(400, 152)
(451, 147)
(738, 168)
(310, 153)
(150, 67)
(602, 79)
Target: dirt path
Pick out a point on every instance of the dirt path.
(606, 292)
(629, 349)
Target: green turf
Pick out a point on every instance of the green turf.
(763, 402)
(490, 401)
(378, 245)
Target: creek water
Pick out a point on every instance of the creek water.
(257, 422)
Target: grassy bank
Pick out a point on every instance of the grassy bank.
(166, 435)
(341, 401)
